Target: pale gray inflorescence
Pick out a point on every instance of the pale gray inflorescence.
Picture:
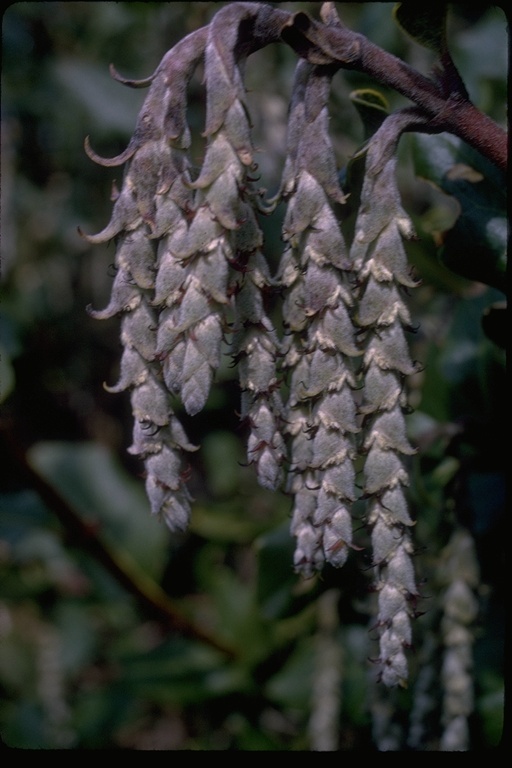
(320, 413)
(192, 280)
(190, 270)
(381, 263)
(459, 575)
(150, 224)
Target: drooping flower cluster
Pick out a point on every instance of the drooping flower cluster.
(189, 265)
(192, 281)
(320, 413)
(227, 268)
(150, 225)
(381, 263)
(459, 576)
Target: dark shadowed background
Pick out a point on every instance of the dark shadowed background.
(113, 633)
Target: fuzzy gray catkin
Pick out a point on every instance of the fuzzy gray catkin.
(190, 271)
(229, 192)
(320, 412)
(381, 263)
(459, 575)
(150, 223)
(192, 280)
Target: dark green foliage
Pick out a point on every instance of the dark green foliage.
(115, 634)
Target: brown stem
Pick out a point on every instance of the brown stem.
(338, 45)
(477, 129)
(455, 114)
(151, 598)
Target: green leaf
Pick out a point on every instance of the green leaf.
(424, 22)
(476, 245)
(223, 455)
(485, 74)
(6, 375)
(490, 706)
(181, 672)
(372, 107)
(276, 578)
(223, 523)
(100, 712)
(37, 558)
(292, 685)
(24, 726)
(78, 640)
(237, 612)
(94, 484)
(20, 512)
(250, 738)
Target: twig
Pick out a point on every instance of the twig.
(151, 598)
(448, 110)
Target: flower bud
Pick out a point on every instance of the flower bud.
(320, 413)
(380, 260)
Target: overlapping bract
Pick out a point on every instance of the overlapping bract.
(150, 223)
(321, 412)
(459, 575)
(192, 282)
(190, 271)
(380, 261)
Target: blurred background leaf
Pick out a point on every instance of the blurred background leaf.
(82, 664)
(475, 246)
(90, 479)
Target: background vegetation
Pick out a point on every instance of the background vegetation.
(113, 634)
